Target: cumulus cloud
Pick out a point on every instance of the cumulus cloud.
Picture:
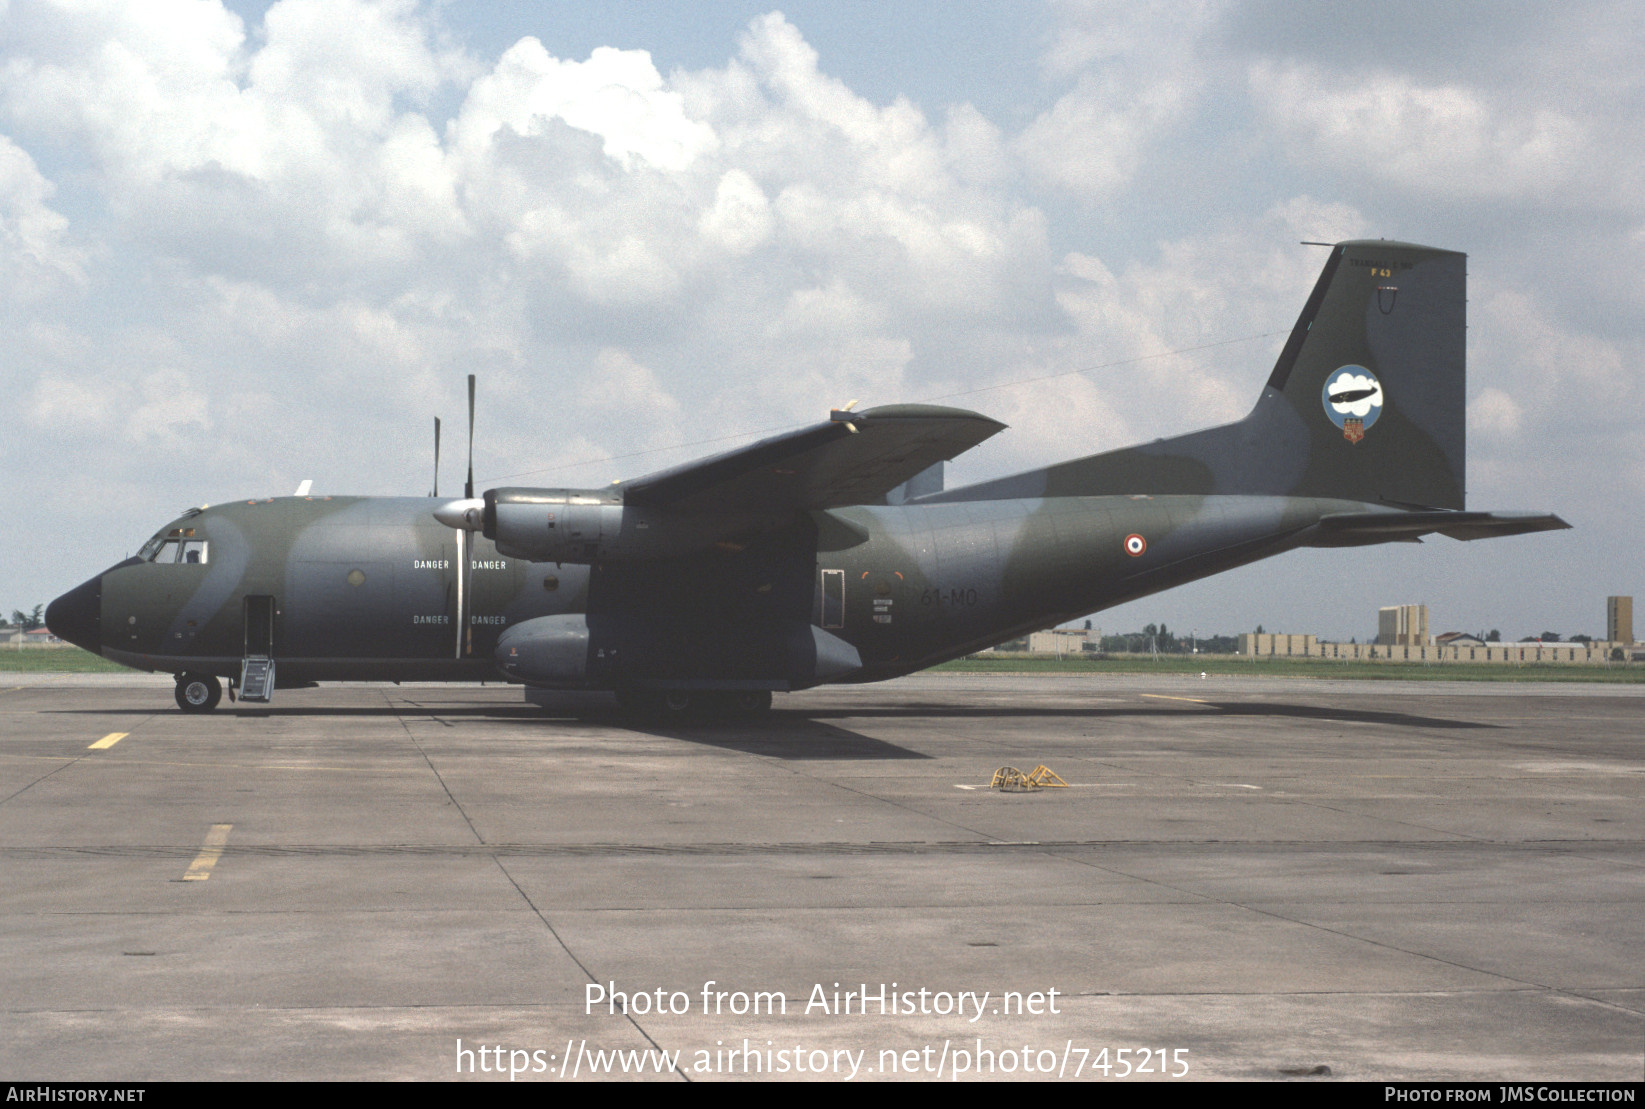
(201, 137)
(1495, 414)
(1091, 141)
(756, 236)
(35, 253)
(617, 95)
(1227, 284)
(740, 219)
(1561, 376)
(1446, 139)
(1136, 74)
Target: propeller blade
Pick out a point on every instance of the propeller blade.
(468, 487)
(436, 492)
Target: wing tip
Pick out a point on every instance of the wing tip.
(924, 412)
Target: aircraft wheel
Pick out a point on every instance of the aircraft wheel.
(676, 704)
(751, 702)
(740, 705)
(673, 704)
(198, 692)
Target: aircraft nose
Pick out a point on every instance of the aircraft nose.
(77, 615)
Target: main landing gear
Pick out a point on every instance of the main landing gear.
(694, 704)
(198, 692)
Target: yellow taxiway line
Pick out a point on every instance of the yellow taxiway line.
(108, 741)
(1168, 697)
(210, 851)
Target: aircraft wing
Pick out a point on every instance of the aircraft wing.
(1351, 529)
(828, 465)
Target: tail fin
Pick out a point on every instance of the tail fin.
(1375, 371)
(1366, 402)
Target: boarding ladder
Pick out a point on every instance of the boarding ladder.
(257, 665)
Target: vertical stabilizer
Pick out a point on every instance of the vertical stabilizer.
(1375, 371)
(1365, 403)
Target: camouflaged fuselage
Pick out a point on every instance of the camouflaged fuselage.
(366, 588)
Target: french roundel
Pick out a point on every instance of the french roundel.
(1135, 544)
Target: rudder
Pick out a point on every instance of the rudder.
(1365, 403)
(1375, 370)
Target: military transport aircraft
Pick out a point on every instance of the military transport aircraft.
(827, 554)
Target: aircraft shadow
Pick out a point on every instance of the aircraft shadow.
(807, 734)
(516, 712)
(781, 735)
(1361, 716)
(1229, 708)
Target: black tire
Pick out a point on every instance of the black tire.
(745, 704)
(750, 703)
(660, 705)
(198, 692)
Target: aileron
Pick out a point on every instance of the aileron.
(823, 466)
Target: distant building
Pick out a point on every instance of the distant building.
(1403, 626)
(38, 637)
(1062, 641)
(1450, 647)
(1619, 619)
(1264, 643)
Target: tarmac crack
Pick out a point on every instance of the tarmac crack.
(572, 955)
(68, 762)
(432, 768)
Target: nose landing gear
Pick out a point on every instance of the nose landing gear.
(198, 692)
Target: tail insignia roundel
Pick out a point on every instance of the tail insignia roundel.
(1353, 400)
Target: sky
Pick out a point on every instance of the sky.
(249, 244)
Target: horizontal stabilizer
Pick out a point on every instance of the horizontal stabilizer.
(1497, 524)
(1354, 529)
(854, 458)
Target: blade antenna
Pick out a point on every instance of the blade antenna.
(436, 492)
(468, 487)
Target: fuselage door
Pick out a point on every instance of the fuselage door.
(257, 667)
(259, 627)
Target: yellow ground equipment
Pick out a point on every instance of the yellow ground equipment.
(1011, 780)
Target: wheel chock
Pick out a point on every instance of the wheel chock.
(1044, 777)
(1008, 779)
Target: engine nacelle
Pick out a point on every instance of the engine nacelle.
(594, 525)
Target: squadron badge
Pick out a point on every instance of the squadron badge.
(1353, 400)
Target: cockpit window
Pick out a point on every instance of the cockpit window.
(174, 546)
